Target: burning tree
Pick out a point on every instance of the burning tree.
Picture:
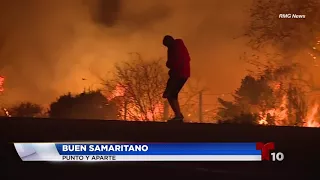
(291, 83)
(250, 98)
(137, 86)
(274, 96)
(288, 37)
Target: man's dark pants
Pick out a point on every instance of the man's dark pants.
(174, 86)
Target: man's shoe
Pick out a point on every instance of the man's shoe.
(176, 119)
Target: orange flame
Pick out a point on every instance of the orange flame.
(280, 114)
(117, 92)
(6, 112)
(131, 111)
(1, 83)
(315, 48)
(310, 120)
(157, 111)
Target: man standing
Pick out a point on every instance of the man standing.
(178, 63)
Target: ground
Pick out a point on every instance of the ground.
(300, 146)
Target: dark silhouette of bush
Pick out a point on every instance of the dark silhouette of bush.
(25, 109)
(253, 93)
(87, 105)
(243, 118)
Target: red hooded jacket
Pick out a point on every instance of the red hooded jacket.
(178, 60)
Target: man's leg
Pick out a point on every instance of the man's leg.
(176, 85)
(179, 114)
(174, 103)
(168, 89)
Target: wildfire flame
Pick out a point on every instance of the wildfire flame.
(311, 117)
(6, 112)
(280, 114)
(128, 111)
(119, 91)
(315, 48)
(1, 83)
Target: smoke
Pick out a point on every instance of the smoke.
(48, 47)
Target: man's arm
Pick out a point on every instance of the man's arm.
(171, 58)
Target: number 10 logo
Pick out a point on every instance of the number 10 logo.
(265, 152)
(277, 156)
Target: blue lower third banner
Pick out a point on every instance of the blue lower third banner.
(110, 151)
